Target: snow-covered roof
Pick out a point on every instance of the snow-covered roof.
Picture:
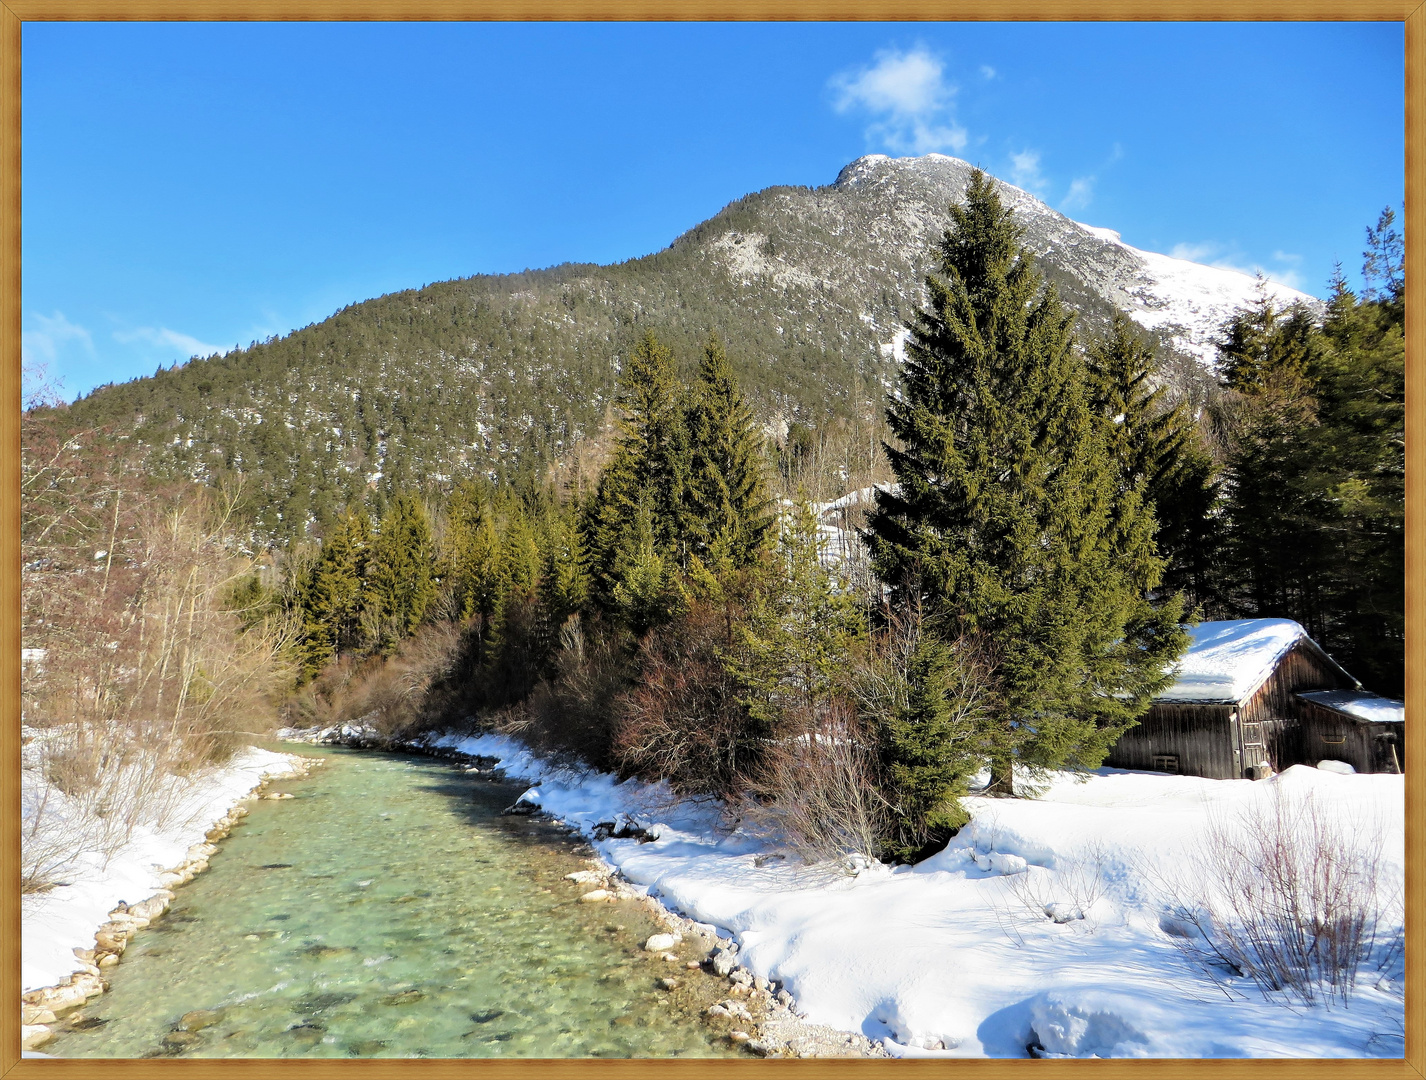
(1360, 705)
(1227, 661)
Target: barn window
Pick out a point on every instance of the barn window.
(1335, 740)
(1166, 763)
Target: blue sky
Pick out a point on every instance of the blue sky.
(190, 187)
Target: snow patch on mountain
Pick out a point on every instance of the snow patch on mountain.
(1185, 303)
(1190, 302)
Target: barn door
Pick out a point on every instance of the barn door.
(1255, 750)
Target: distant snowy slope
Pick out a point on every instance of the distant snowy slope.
(1188, 301)
(1185, 302)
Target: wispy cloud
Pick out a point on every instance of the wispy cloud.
(1221, 256)
(908, 98)
(986, 71)
(163, 338)
(49, 337)
(1080, 194)
(1025, 171)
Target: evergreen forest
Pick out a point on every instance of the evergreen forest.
(656, 585)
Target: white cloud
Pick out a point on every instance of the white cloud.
(1218, 255)
(1080, 194)
(164, 338)
(987, 71)
(1196, 252)
(49, 337)
(909, 98)
(1025, 171)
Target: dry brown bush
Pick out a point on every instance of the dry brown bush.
(395, 694)
(817, 793)
(684, 720)
(570, 715)
(139, 670)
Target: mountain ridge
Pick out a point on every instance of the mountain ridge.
(809, 287)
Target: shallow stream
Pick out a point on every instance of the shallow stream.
(389, 910)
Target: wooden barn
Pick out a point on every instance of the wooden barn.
(1254, 696)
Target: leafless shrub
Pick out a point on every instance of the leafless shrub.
(684, 719)
(1066, 894)
(817, 793)
(1289, 897)
(139, 672)
(392, 694)
(571, 715)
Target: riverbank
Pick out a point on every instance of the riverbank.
(68, 931)
(1044, 928)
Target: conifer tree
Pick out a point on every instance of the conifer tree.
(564, 587)
(932, 746)
(729, 508)
(1010, 522)
(1277, 558)
(799, 629)
(331, 595)
(649, 464)
(645, 593)
(400, 582)
(1162, 448)
(1361, 465)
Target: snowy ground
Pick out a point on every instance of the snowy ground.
(960, 951)
(55, 923)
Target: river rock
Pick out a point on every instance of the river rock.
(109, 959)
(596, 896)
(587, 877)
(109, 943)
(668, 984)
(35, 1014)
(741, 977)
(660, 942)
(34, 1035)
(723, 960)
(739, 1037)
(198, 1019)
(735, 1009)
(85, 956)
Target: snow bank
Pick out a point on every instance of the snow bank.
(1036, 926)
(55, 923)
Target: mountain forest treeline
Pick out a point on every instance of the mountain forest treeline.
(1004, 586)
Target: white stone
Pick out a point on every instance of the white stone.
(596, 896)
(661, 942)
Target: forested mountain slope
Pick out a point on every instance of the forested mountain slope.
(808, 287)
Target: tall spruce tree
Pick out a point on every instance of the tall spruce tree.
(1278, 560)
(331, 595)
(932, 745)
(400, 578)
(1161, 447)
(1361, 456)
(729, 511)
(649, 466)
(1009, 521)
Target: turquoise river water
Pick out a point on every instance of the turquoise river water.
(388, 910)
